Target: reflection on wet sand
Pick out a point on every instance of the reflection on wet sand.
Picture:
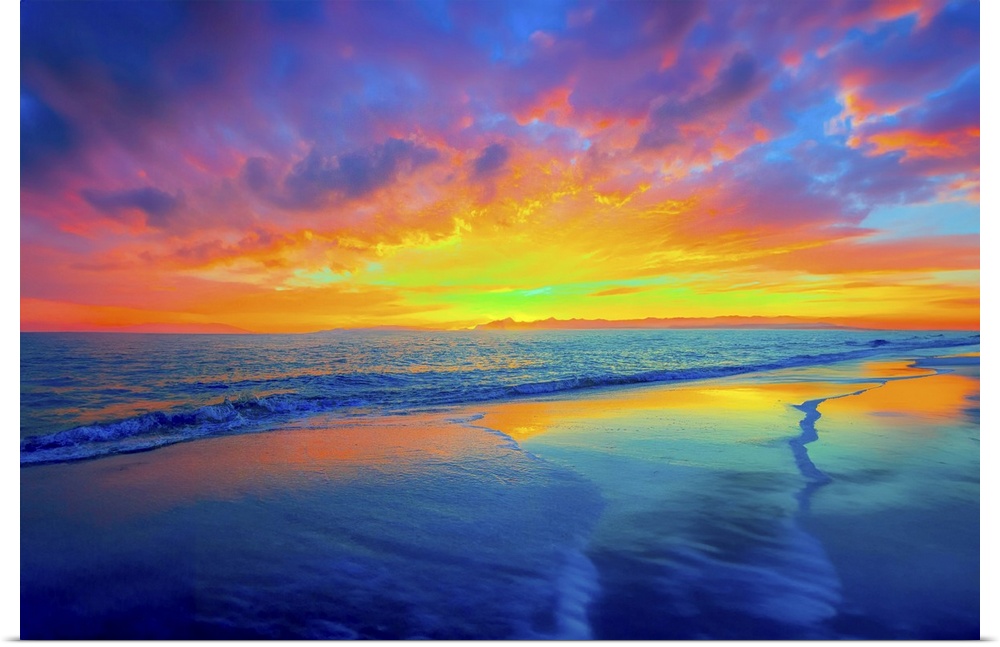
(234, 466)
(920, 401)
(677, 511)
(730, 399)
(711, 517)
(402, 527)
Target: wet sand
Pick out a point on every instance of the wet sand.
(838, 502)
(863, 524)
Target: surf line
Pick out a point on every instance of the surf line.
(815, 477)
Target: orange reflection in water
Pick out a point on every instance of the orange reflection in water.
(257, 464)
(935, 397)
(716, 400)
(743, 400)
(333, 452)
(894, 368)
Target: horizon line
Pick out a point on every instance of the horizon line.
(551, 323)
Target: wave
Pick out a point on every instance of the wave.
(257, 413)
(871, 349)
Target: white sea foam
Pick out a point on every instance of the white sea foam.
(577, 587)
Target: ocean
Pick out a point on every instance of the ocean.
(628, 484)
(87, 395)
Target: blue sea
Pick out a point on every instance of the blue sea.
(607, 484)
(86, 395)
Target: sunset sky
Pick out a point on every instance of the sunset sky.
(295, 166)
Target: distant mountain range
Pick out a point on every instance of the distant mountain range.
(654, 322)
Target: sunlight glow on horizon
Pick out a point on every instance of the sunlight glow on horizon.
(289, 167)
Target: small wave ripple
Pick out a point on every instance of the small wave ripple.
(383, 391)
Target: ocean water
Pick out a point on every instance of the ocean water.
(788, 484)
(87, 395)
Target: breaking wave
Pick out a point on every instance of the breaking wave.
(380, 393)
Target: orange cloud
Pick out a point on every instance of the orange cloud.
(553, 106)
(889, 10)
(915, 144)
(941, 253)
(617, 291)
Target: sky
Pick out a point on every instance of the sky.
(296, 166)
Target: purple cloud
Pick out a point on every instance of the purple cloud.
(734, 83)
(353, 175)
(492, 159)
(158, 205)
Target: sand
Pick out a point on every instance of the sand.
(713, 509)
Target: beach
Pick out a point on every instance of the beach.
(501, 320)
(813, 502)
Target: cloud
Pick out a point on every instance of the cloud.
(45, 136)
(733, 84)
(158, 205)
(651, 138)
(610, 292)
(492, 159)
(937, 136)
(897, 69)
(618, 30)
(353, 175)
(937, 254)
(257, 174)
(90, 45)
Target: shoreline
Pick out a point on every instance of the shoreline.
(65, 443)
(914, 395)
(690, 493)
